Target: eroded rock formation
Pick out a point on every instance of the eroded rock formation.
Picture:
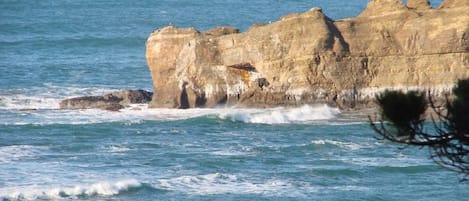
(309, 58)
(113, 101)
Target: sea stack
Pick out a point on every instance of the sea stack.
(307, 58)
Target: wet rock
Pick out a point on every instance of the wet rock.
(112, 102)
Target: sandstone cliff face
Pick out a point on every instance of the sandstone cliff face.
(309, 58)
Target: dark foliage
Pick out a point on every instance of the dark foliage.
(458, 111)
(402, 121)
(404, 110)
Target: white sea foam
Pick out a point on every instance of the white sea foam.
(389, 162)
(54, 193)
(218, 183)
(118, 149)
(140, 112)
(39, 105)
(47, 97)
(17, 152)
(230, 153)
(227, 153)
(23, 102)
(305, 114)
(345, 145)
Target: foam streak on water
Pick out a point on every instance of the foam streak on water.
(18, 152)
(218, 183)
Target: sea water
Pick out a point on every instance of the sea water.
(51, 50)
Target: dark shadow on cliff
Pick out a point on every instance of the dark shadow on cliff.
(184, 99)
(223, 101)
(200, 100)
(335, 32)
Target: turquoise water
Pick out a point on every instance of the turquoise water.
(50, 50)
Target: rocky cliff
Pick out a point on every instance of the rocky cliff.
(309, 58)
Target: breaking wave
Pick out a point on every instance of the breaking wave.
(100, 189)
(40, 105)
(206, 184)
(141, 112)
(304, 114)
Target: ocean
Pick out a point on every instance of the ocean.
(51, 50)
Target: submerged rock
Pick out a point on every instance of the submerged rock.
(309, 58)
(113, 101)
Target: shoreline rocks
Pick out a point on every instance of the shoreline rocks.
(112, 101)
(308, 58)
